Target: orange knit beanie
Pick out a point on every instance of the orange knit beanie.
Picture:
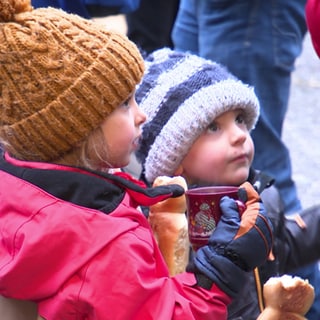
(60, 77)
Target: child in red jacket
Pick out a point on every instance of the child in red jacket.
(73, 239)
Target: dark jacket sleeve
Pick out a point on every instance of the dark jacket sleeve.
(296, 237)
(301, 238)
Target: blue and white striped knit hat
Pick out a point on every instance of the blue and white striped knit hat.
(181, 95)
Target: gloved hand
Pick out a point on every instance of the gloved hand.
(238, 243)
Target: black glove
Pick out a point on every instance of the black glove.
(238, 244)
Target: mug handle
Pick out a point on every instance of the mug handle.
(241, 207)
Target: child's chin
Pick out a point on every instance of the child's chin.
(240, 178)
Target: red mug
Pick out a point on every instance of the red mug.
(203, 211)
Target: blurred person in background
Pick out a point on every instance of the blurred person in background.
(313, 23)
(90, 8)
(151, 24)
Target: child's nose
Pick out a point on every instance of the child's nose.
(237, 134)
(141, 117)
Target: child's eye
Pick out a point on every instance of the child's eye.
(213, 126)
(127, 102)
(240, 118)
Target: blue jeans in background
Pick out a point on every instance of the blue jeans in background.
(258, 41)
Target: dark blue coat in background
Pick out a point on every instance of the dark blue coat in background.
(90, 8)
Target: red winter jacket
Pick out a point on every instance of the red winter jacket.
(74, 242)
(313, 22)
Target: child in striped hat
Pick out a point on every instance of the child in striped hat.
(183, 96)
(199, 122)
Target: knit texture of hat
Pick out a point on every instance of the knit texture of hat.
(181, 95)
(60, 77)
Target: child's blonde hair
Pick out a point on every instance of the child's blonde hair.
(90, 154)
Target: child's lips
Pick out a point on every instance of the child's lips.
(241, 158)
(136, 143)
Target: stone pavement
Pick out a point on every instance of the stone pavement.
(301, 131)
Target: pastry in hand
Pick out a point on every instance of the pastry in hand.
(169, 224)
(286, 298)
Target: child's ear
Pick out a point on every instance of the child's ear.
(179, 171)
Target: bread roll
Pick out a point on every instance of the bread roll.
(275, 314)
(170, 227)
(286, 298)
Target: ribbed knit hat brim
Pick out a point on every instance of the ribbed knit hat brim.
(181, 95)
(61, 76)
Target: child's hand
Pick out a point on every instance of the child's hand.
(238, 243)
(174, 205)
(246, 241)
